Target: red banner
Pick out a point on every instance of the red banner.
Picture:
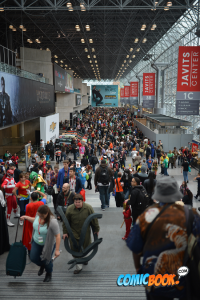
(188, 69)
(148, 84)
(134, 89)
(194, 147)
(127, 91)
(122, 93)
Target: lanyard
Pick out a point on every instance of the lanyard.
(39, 227)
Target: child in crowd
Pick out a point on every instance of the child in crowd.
(127, 219)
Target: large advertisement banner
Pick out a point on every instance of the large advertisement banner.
(23, 99)
(63, 81)
(126, 94)
(188, 81)
(148, 90)
(105, 95)
(122, 95)
(134, 93)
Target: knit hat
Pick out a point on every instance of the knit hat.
(167, 190)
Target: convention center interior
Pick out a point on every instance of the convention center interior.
(100, 149)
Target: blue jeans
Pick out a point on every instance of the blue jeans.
(185, 175)
(126, 194)
(63, 154)
(74, 155)
(36, 251)
(104, 195)
(93, 168)
(22, 205)
(165, 171)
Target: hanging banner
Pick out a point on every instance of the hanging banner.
(148, 90)
(194, 147)
(127, 94)
(122, 95)
(134, 93)
(188, 81)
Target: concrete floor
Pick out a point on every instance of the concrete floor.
(98, 279)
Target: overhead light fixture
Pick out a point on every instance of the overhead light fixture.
(82, 41)
(61, 65)
(94, 56)
(14, 29)
(21, 26)
(87, 27)
(47, 49)
(169, 3)
(127, 56)
(124, 61)
(70, 8)
(1, 9)
(55, 56)
(24, 29)
(143, 27)
(77, 26)
(91, 65)
(133, 56)
(90, 41)
(131, 49)
(86, 49)
(11, 26)
(166, 8)
(138, 49)
(90, 61)
(68, 4)
(65, 65)
(88, 56)
(95, 61)
(130, 60)
(144, 40)
(122, 65)
(136, 40)
(96, 65)
(61, 61)
(56, 61)
(93, 50)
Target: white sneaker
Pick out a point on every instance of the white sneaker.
(103, 209)
(21, 223)
(9, 223)
(16, 215)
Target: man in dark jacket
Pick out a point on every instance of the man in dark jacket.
(65, 198)
(103, 186)
(74, 149)
(74, 181)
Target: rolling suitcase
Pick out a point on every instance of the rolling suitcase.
(16, 260)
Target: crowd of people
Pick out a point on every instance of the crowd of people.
(112, 137)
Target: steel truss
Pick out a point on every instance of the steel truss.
(166, 50)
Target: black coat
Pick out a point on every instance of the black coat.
(84, 162)
(61, 199)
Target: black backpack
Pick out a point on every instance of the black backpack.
(143, 200)
(104, 177)
(94, 160)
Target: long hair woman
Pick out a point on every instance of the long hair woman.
(45, 233)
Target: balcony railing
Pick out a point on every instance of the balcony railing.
(18, 72)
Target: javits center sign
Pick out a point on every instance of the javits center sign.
(104, 95)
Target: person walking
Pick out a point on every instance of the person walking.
(119, 197)
(76, 215)
(46, 230)
(165, 165)
(64, 172)
(171, 158)
(74, 181)
(63, 152)
(89, 173)
(102, 180)
(197, 178)
(185, 169)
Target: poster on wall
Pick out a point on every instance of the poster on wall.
(49, 128)
(122, 95)
(104, 95)
(126, 94)
(134, 93)
(188, 81)
(148, 90)
(23, 99)
(63, 81)
(78, 100)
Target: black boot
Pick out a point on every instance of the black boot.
(47, 277)
(41, 271)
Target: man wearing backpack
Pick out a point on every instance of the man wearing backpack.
(102, 180)
(139, 200)
(160, 236)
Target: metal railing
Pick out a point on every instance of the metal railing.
(18, 72)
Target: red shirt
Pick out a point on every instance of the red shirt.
(22, 188)
(14, 158)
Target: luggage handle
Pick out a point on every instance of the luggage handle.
(17, 230)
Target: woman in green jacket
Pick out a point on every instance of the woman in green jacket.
(171, 158)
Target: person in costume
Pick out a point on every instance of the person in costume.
(38, 182)
(31, 210)
(8, 185)
(4, 237)
(127, 219)
(23, 187)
